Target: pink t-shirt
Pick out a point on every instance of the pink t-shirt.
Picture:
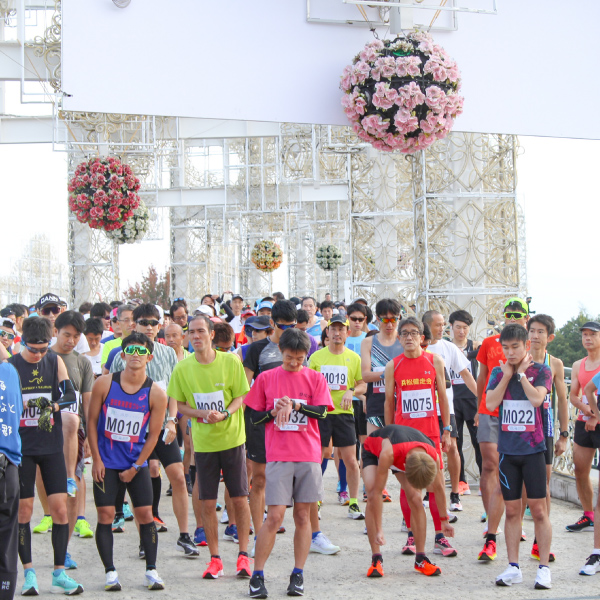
(302, 441)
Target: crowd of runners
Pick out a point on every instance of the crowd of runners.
(262, 397)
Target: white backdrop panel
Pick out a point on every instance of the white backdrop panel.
(530, 70)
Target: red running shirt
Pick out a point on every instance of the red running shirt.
(490, 354)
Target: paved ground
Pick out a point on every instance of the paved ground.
(341, 576)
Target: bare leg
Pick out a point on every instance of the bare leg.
(454, 465)
(257, 495)
(265, 540)
(180, 496)
(582, 458)
(512, 529)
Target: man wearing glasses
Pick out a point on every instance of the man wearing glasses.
(516, 311)
(124, 318)
(102, 310)
(45, 382)
(125, 419)
(7, 334)
(146, 318)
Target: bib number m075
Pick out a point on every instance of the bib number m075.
(417, 404)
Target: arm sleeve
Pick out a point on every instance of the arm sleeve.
(260, 417)
(228, 312)
(68, 395)
(315, 412)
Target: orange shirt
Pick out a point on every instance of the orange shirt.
(490, 354)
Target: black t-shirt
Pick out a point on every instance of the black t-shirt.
(461, 391)
(39, 379)
(262, 356)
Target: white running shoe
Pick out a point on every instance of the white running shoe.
(322, 545)
(543, 581)
(153, 580)
(511, 575)
(592, 566)
(112, 582)
(224, 517)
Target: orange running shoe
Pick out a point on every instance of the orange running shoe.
(464, 489)
(376, 568)
(535, 553)
(386, 496)
(489, 551)
(215, 569)
(160, 525)
(243, 566)
(427, 567)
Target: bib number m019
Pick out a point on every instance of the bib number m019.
(336, 377)
(518, 415)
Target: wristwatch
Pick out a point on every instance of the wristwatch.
(564, 434)
(226, 413)
(136, 467)
(174, 419)
(520, 376)
(448, 428)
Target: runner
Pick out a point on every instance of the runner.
(289, 399)
(416, 461)
(209, 388)
(516, 311)
(518, 387)
(125, 420)
(7, 335)
(309, 304)
(414, 378)
(46, 390)
(326, 309)
(302, 325)
(124, 318)
(93, 334)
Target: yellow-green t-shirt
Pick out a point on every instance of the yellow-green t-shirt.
(106, 348)
(341, 371)
(212, 386)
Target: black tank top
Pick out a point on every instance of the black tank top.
(38, 379)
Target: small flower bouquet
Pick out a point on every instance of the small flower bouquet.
(402, 94)
(267, 256)
(329, 258)
(135, 228)
(103, 193)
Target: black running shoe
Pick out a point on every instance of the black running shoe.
(257, 587)
(584, 524)
(142, 552)
(296, 587)
(170, 490)
(185, 545)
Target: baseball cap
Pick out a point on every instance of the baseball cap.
(63, 302)
(338, 319)
(237, 296)
(6, 312)
(591, 325)
(262, 322)
(48, 299)
(206, 310)
(5, 322)
(516, 304)
(360, 300)
(248, 313)
(264, 304)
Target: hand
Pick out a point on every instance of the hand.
(586, 410)
(561, 446)
(98, 470)
(525, 364)
(214, 416)
(380, 539)
(40, 403)
(127, 476)
(476, 420)
(446, 441)
(506, 368)
(447, 529)
(283, 414)
(282, 403)
(591, 423)
(347, 400)
(171, 428)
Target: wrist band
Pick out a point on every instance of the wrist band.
(444, 518)
(226, 412)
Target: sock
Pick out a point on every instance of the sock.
(260, 573)
(104, 543)
(57, 572)
(514, 565)
(242, 553)
(149, 537)
(596, 551)
(543, 567)
(324, 466)
(589, 514)
(420, 557)
(314, 535)
(297, 570)
(435, 513)
(410, 533)
(81, 518)
(490, 537)
(405, 508)
(352, 501)
(156, 485)
(217, 556)
(377, 557)
(343, 481)
(25, 543)
(192, 474)
(439, 536)
(60, 539)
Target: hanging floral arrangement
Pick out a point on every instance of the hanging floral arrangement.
(402, 94)
(135, 228)
(329, 258)
(267, 256)
(103, 193)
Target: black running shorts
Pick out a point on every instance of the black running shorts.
(339, 427)
(528, 469)
(586, 439)
(52, 469)
(208, 472)
(167, 454)
(139, 488)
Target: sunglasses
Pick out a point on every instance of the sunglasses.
(139, 350)
(514, 315)
(146, 322)
(35, 350)
(358, 319)
(388, 319)
(107, 318)
(178, 299)
(284, 327)
(114, 319)
(10, 336)
(50, 309)
(219, 349)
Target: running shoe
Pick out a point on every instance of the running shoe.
(141, 552)
(112, 582)
(69, 562)
(280, 530)
(426, 500)
(257, 588)
(190, 488)
(527, 513)
(253, 549)
(185, 545)
(452, 518)
(219, 507)
(584, 524)
(543, 580)
(427, 568)
(355, 513)
(463, 488)
(455, 504)
(242, 567)
(485, 531)
(321, 544)
(376, 568)
(523, 535)
(118, 525)
(409, 548)
(225, 517)
(170, 490)
(200, 537)
(215, 569)
(153, 580)
(591, 567)
(484, 517)
(404, 528)
(509, 576)
(30, 585)
(44, 526)
(343, 498)
(63, 584)
(127, 514)
(83, 529)
(386, 496)
(160, 525)
(443, 547)
(230, 534)
(364, 496)
(488, 553)
(296, 587)
(72, 488)
(535, 553)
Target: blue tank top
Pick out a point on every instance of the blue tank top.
(123, 424)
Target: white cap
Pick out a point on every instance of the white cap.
(205, 309)
(161, 312)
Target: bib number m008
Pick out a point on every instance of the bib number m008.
(210, 401)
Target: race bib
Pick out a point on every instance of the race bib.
(73, 408)
(518, 415)
(337, 377)
(209, 401)
(581, 416)
(547, 401)
(30, 416)
(379, 386)
(297, 422)
(123, 425)
(417, 404)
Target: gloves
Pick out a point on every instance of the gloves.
(46, 409)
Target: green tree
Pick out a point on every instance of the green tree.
(567, 343)
(153, 289)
